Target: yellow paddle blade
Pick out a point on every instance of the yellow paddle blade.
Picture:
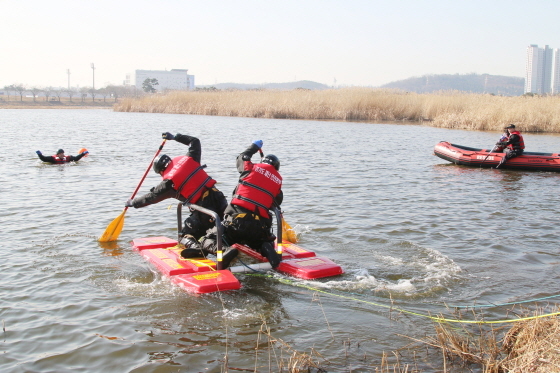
(288, 233)
(113, 229)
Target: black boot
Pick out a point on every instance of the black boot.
(192, 248)
(228, 255)
(268, 251)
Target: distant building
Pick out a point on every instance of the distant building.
(176, 79)
(538, 70)
(556, 72)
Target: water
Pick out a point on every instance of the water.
(411, 231)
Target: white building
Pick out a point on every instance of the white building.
(176, 79)
(556, 72)
(538, 70)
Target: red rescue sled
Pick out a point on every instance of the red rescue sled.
(202, 275)
(466, 156)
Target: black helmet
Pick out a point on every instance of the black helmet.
(272, 160)
(161, 162)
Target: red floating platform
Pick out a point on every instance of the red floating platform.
(310, 268)
(207, 282)
(153, 243)
(197, 275)
(298, 262)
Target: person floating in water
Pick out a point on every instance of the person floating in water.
(60, 158)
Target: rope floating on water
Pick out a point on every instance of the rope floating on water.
(439, 319)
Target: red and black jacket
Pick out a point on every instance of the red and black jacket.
(515, 141)
(170, 187)
(188, 177)
(260, 185)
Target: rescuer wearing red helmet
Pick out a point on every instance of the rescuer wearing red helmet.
(185, 179)
(60, 158)
(247, 219)
(513, 144)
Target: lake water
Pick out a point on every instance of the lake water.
(411, 231)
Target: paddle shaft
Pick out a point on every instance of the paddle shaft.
(495, 146)
(147, 170)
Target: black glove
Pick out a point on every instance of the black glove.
(129, 203)
(499, 143)
(167, 136)
(85, 153)
(38, 152)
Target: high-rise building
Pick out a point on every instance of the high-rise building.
(539, 70)
(556, 72)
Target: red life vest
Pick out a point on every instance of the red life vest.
(188, 177)
(518, 145)
(58, 160)
(257, 190)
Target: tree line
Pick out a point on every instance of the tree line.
(54, 94)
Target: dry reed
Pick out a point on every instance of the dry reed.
(531, 345)
(444, 109)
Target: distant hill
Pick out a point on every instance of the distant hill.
(305, 84)
(474, 83)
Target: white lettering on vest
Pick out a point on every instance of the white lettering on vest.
(267, 174)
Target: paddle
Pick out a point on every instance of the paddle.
(114, 229)
(504, 136)
(495, 146)
(287, 230)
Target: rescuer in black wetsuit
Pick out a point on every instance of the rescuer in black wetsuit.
(247, 219)
(60, 158)
(185, 179)
(513, 144)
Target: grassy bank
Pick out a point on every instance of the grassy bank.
(529, 345)
(445, 109)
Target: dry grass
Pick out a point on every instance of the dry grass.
(528, 346)
(444, 109)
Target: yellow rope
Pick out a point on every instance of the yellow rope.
(433, 318)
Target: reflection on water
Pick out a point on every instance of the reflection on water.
(412, 232)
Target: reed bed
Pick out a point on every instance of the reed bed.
(531, 345)
(448, 109)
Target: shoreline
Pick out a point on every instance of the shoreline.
(55, 105)
(452, 109)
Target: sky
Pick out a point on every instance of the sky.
(334, 42)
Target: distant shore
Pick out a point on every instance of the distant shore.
(28, 103)
(449, 109)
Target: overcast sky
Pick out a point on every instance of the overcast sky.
(352, 42)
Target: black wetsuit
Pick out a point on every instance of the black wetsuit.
(55, 160)
(197, 223)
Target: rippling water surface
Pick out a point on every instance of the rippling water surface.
(409, 229)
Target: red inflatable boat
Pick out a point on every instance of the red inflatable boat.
(466, 156)
(204, 275)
